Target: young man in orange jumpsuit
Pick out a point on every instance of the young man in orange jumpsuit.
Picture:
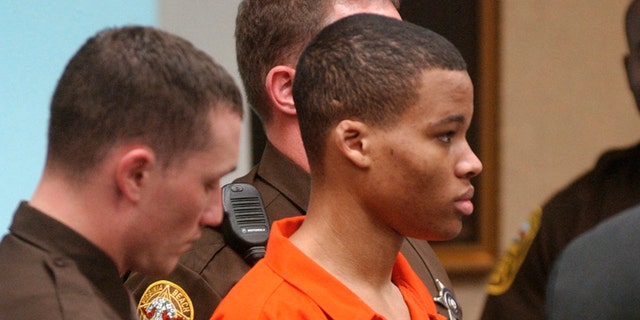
(384, 107)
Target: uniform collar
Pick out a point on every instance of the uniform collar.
(285, 176)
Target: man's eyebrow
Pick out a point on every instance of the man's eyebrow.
(449, 119)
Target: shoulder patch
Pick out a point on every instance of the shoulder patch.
(507, 267)
(164, 300)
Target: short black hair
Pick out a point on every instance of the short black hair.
(135, 83)
(366, 67)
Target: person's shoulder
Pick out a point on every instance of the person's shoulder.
(617, 230)
(24, 272)
(619, 160)
(596, 276)
(263, 294)
(615, 157)
(605, 247)
(259, 284)
(282, 197)
(37, 284)
(612, 174)
(28, 266)
(249, 177)
(248, 297)
(210, 243)
(265, 185)
(15, 251)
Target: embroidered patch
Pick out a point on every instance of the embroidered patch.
(165, 300)
(506, 269)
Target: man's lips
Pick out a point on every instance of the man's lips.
(463, 203)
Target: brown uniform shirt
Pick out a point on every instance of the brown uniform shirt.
(208, 271)
(48, 271)
(517, 287)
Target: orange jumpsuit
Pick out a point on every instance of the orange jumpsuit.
(287, 284)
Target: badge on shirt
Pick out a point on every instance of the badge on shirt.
(165, 300)
(447, 299)
(506, 269)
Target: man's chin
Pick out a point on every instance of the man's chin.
(445, 234)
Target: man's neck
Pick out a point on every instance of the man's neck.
(81, 209)
(339, 232)
(285, 136)
(360, 256)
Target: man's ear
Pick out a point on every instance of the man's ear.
(132, 171)
(279, 85)
(353, 140)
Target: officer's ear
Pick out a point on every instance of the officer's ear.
(279, 85)
(133, 171)
(353, 140)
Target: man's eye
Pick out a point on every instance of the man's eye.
(446, 137)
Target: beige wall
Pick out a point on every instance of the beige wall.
(563, 95)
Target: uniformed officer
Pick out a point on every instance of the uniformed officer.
(142, 127)
(518, 282)
(374, 99)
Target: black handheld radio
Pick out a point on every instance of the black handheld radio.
(245, 225)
